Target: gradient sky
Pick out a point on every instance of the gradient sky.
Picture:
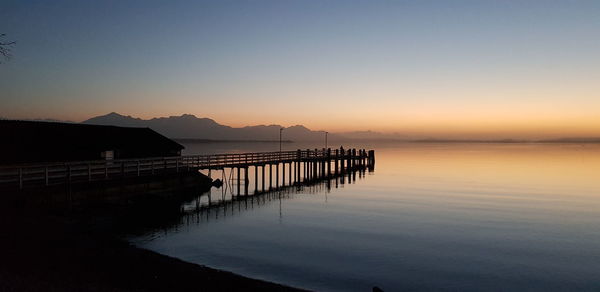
(423, 68)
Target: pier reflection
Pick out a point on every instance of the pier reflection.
(223, 202)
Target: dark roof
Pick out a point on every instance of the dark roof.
(50, 141)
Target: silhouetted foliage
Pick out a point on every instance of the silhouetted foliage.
(5, 47)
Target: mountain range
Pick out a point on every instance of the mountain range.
(191, 127)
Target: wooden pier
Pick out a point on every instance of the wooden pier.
(212, 206)
(306, 164)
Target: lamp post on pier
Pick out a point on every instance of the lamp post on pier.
(326, 139)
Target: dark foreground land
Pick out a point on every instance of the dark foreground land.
(46, 250)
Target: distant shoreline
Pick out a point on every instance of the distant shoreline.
(192, 140)
(509, 141)
(449, 141)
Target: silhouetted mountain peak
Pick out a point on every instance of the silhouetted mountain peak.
(298, 127)
(188, 116)
(114, 119)
(182, 117)
(275, 127)
(192, 127)
(115, 115)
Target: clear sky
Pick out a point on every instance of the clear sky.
(432, 68)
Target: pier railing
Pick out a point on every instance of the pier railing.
(47, 174)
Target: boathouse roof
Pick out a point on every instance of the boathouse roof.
(33, 141)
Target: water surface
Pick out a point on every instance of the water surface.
(459, 217)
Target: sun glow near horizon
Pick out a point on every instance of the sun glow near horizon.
(463, 69)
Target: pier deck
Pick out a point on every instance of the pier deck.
(310, 162)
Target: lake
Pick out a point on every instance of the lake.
(455, 217)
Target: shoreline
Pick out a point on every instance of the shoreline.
(54, 249)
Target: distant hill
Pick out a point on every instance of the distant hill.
(191, 127)
(572, 140)
(41, 120)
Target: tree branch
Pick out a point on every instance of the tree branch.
(5, 48)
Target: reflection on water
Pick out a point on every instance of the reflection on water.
(432, 217)
(195, 208)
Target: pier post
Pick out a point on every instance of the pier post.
(335, 166)
(246, 180)
(309, 170)
(290, 173)
(255, 178)
(304, 171)
(371, 157)
(362, 157)
(263, 178)
(342, 159)
(238, 181)
(328, 161)
(298, 164)
(270, 176)
(316, 166)
(349, 160)
(303, 174)
(277, 175)
(364, 154)
(321, 166)
(299, 171)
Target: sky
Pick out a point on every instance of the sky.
(460, 69)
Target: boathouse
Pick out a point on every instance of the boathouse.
(34, 142)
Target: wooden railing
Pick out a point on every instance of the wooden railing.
(80, 171)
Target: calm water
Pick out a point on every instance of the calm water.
(431, 217)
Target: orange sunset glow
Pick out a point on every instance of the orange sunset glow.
(472, 73)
